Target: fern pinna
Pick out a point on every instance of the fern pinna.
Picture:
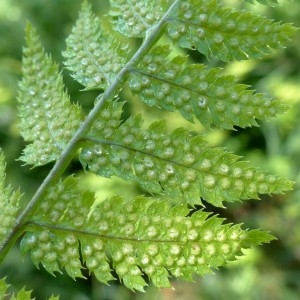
(64, 227)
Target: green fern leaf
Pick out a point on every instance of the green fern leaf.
(64, 228)
(205, 26)
(134, 18)
(258, 237)
(175, 164)
(197, 91)
(3, 288)
(63, 246)
(225, 33)
(22, 294)
(9, 202)
(142, 236)
(93, 57)
(42, 98)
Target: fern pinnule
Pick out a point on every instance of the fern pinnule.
(224, 33)
(23, 294)
(196, 91)
(93, 56)
(175, 164)
(206, 26)
(42, 97)
(9, 203)
(140, 236)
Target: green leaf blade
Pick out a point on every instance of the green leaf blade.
(93, 57)
(3, 287)
(134, 18)
(9, 202)
(21, 295)
(257, 237)
(176, 164)
(41, 99)
(140, 236)
(198, 92)
(226, 34)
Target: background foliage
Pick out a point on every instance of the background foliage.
(270, 272)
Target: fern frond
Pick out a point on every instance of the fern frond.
(175, 164)
(134, 18)
(93, 57)
(141, 236)
(72, 211)
(64, 228)
(224, 33)
(205, 26)
(9, 203)
(22, 294)
(47, 118)
(196, 91)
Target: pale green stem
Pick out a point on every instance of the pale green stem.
(67, 155)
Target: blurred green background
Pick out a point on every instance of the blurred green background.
(268, 272)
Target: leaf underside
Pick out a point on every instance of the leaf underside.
(9, 202)
(42, 98)
(196, 91)
(134, 18)
(139, 237)
(225, 33)
(142, 237)
(206, 26)
(176, 164)
(93, 56)
(172, 84)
